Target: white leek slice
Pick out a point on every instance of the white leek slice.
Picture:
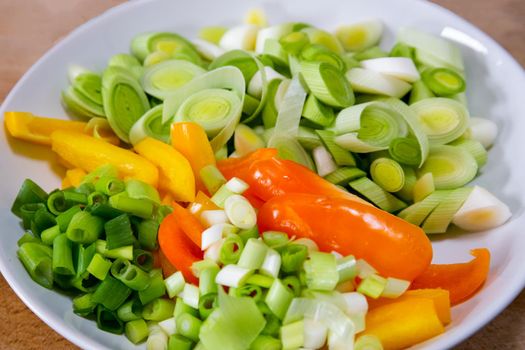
(157, 339)
(364, 269)
(232, 276)
(324, 162)
(395, 287)
(255, 87)
(396, 67)
(441, 217)
(356, 303)
(150, 125)
(315, 334)
(481, 211)
(240, 37)
(442, 119)
(207, 50)
(482, 130)
(229, 79)
(361, 35)
(273, 32)
(162, 79)
(290, 110)
(371, 82)
(236, 185)
(432, 49)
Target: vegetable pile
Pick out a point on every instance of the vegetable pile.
(275, 189)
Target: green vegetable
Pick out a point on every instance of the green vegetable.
(388, 174)
(377, 195)
(37, 259)
(150, 125)
(136, 331)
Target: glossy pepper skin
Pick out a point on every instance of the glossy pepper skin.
(393, 246)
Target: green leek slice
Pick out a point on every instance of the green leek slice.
(388, 174)
(289, 148)
(319, 53)
(443, 81)
(375, 194)
(475, 148)
(451, 166)
(406, 193)
(441, 217)
(156, 57)
(371, 82)
(294, 42)
(273, 32)
(212, 34)
(361, 35)
(341, 156)
(368, 54)
(162, 79)
(418, 212)
(308, 138)
(144, 44)
(405, 150)
(84, 96)
(194, 96)
(317, 112)
(128, 62)
(419, 92)
(442, 119)
(423, 187)
(321, 37)
(270, 109)
(150, 125)
(327, 84)
(124, 100)
(289, 116)
(344, 175)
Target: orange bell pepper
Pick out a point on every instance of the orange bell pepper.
(393, 246)
(403, 323)
(269, 176)
(89, 153)
(461, 280)
(440, 297)
(189, 224)
(201, 203)
(177, 248)
(191, 140)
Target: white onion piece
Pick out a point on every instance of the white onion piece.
(397, 67)
(481, 211)
(208, 50)
(241, 37)
(255, 86)
(324, 162)
(371, 82)
(482, 130)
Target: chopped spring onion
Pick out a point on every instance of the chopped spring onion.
(99, 266)
(147, 234)
(321, 271)
(481, 211)
(130, 310)
(346, 268)
(118, 232)
(324, 163)
(396, 67)
(240, 212)
(129, 274)
(240, 37)
(190, 295)
(133, 206)
(108, 321)
(207, 285)
(37, 259)
(419, 92)
(443, 81)
(372, 286)
(233, 276)
(253, 254)
(423, 187)
(315, 334)
(293, 256)
(327, 84)
(189, 326)
(124, 100)
(482, 130)
(292, 335)
(271, 263)
(140, 190)
(213, 217)
(47, 236)
(451, 166)
(111, 293)
(441, 217)
(83, 305)
(275, 239)
(212, 178)
(377, 195)
(110, 185)
(246, 140)
(157, 339)
(343, 176)
(321, 37)
(278, 298)
(84, 228)
(158, 310)
(156, 288)
(212, 235)
(442, 119)
(475, 148)
(395, 288)
(137, 331)
(265, 342)
(29, 193)
(361, 35)
(388, 174)
(372, 82)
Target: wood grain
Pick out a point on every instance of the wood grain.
(30, 27)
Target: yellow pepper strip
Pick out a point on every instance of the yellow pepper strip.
(176, 175)
(66, 182)
(404, 323)
(190, 139)
(28, 127)
(89, 153)
(75, 176)
(440, 297)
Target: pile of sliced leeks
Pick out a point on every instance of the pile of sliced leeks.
(392, 126)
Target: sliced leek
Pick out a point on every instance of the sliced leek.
(375, 194)
(327, 84)
(475, 148)
(317, 112)
(420, 92)
(441, 217)
(84, 96)
(319, 53)
(290, 148)
(144, 44)
(208, 50)
(406, 193)
(256, 85)
(162, 79)
(324, 162)
(405, 150)
(371, 82)
(343, 176)
(124, 100)
(273, 32)
(150, 125)
(482, 130)
(442, 119)
(423, 187)
(212, 34)
(240, 37)
(361, 35)
(451, 167)
(443, 81)
(418, 212)
(289, 116)
(321, 37)
(127, 62)
(396, 67)
(246, 140)
(341, 156)
(388, 174)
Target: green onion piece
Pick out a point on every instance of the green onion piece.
(294, 42)
(108, 321)
(199, 266)
(137, 207)
(174, 284)
(147, 234)
(83, 305)
(265, 342)
(84, 228)
(143, 259)
(253, 254)
(451, 166)
(233, 276)
(182, 308)
(119, 253)
(131, 310)
(37, 259)
(189, 326)
(423, 187)
(405, 150)
(441, 217)
(234, 325)
(106, 170)
(402, 50)
(49, 234)
(157, 338)
(443, 81)
(344, 175)
(60, 201)
(347, 268)
(377, 195)
(368, 342)
(110, 185)
(248, 233)
(442, 119)
(388, 174)
(97, 197)
(419, 92)
(260, 280)
(278, 298)
(273, 324)
(240, 212)
(178, 342)
(207, 284)
(271, 264)
(130, 275)
(118, 232)
(475, 148)
(231, 250)
(293, 257)
(327, 84)
(82, 256)
(372, 286)
(63, 256)
(249, 290)
(99, 267)
(104, 211)
(28, 211)
(156, 288)
(418, 212)
(275, 239)
(124, 100)
(294, 284)
(85, 187)
(292, 335)
(140, 190)
(29, 237)
(319, 53)
(136, 331)
(42, 219)
(111, 293)
(212, 178)
(158, 310)
(220, 196)
(321, 271)
(317, 113)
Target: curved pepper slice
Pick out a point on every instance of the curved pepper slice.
(393, 246)
(461, 280)
(189, 224)
(177, 248)
(89, 153)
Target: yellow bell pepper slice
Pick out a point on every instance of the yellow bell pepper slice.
(75, 176)
(404, 323)
(175, 175)
(89, 153)
(28, 127)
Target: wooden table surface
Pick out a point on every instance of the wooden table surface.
(29, 27)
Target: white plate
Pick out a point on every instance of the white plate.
(496, 85)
